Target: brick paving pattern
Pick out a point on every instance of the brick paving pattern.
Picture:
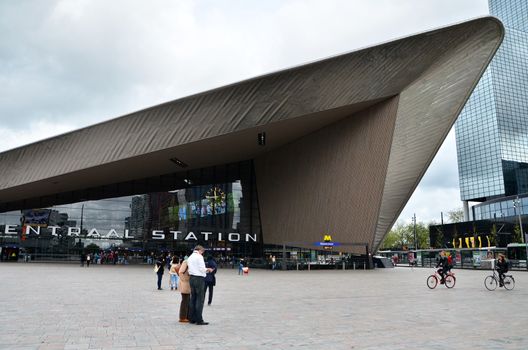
(54, 306)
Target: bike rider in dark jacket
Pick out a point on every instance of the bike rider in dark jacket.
(502, 268)
(443, 264)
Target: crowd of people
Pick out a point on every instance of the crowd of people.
(103, 257)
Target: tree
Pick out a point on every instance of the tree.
(516, 237)
(92, 248)
(397, 238)
(439, 239)
(493, 235)
(456, 236)
(402, 235)
(422, 235)
(456, 215)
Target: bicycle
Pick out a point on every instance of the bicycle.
(435, 278)
(491, 281)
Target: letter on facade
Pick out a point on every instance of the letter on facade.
(54, 230)
(175, 233)
(74, 231)
(156, 234)
(234, 237)
(9, 228)
(30, 228)
(126, 234)
(93, 233)
(191, 235)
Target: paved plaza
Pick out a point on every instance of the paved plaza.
(54, 306)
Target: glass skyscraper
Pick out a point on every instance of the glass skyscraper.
(492, 130)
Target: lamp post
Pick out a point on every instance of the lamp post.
(414, 231)
(517, 206)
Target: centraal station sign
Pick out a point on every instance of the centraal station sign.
(155, 234)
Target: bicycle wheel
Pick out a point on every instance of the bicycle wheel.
(432, 281)
(450, 281)
(509, 282)
(490, 283)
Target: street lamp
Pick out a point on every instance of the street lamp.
(414, 231)
(517, 207)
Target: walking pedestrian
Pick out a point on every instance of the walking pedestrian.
(210, 278)
(241, 266)
(159, 270)
(175, 265)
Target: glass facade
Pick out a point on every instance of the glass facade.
(501, 209)
(492, 130)
(218, 208)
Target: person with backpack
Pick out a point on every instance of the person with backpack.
(502, 268)
(449, 262)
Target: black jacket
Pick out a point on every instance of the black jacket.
(502, 266)
(159, 264)
(442, 262)
(210, 277)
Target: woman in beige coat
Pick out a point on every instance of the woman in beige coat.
(185, 289)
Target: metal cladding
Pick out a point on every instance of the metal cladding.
(346, 139)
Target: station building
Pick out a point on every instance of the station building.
(331, 148)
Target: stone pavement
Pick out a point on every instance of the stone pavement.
(54, 306)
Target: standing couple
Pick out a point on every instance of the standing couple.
(193, 274)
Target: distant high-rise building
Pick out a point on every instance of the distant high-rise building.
(492, 130)
(139, 216)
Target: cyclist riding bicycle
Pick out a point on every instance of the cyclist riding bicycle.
(444, 266)
(502, 268)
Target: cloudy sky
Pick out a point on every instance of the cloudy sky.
(66, 64)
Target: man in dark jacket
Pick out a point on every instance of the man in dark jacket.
(159, 271)
(502, 268)
(443, 264)
(210, 278)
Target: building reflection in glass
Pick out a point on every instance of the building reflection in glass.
(205, 205)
